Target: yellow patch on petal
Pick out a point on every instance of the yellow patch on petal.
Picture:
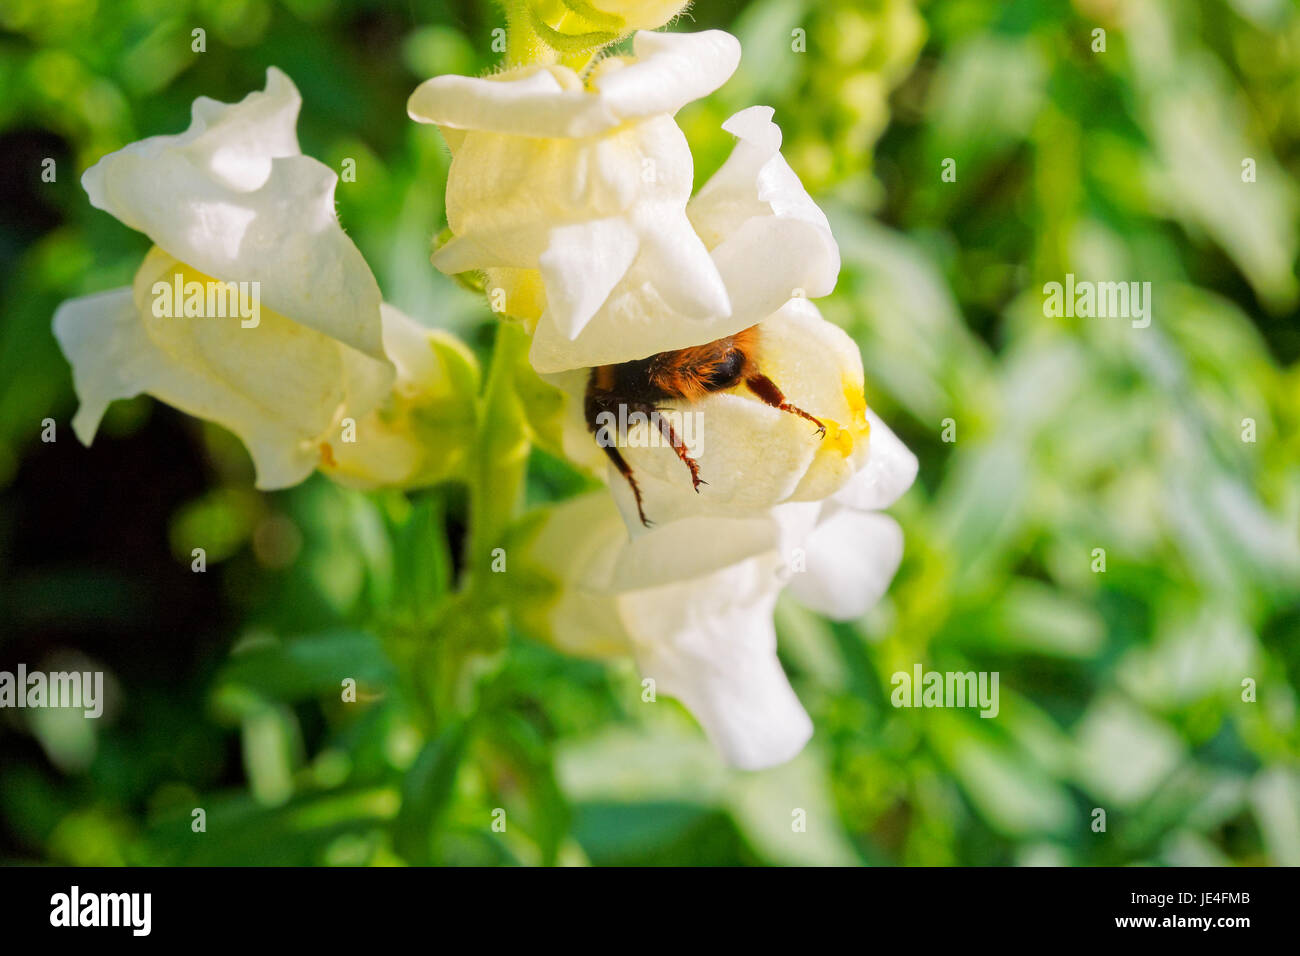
(516, 292)
(857, 402)
(841, 437)
(838, 438)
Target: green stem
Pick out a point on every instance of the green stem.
(500, 454)
(523, 45)
(473, 621)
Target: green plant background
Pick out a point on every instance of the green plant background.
(1120, 690)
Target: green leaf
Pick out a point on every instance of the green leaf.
(299, 668)
(426, 791)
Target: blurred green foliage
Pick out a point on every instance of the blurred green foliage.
(1121, 690)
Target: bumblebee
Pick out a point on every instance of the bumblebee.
(680, 375)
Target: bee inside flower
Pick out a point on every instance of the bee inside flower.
(682, 374)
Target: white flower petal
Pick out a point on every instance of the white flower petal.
(731, 196)
(850, 558)
(672, 297)
(464, 253)
(538, 101)
(754, 181)
(507, 193)
(232, 143)
(769, 242)
(814, 362)
(888, 473)
(588, 183)
(693, 600)
(97, 334)
(577, 546)
(752, 457)
(406, 343)
(605, 221)
(232, 197)
(671, 69)
(686, 550)
(711, 644)
(768, 261)
(675, 261)
(581, 266)
(280, 387)
(585, 543)
(767, 234)
(795, 521)
(636, 320)
(103, 338)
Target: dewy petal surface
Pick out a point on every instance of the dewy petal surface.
(233, 197)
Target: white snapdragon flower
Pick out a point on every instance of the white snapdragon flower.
(572, 195)
(693, 600)
(580, 183)
(233, 206)
(774, 248)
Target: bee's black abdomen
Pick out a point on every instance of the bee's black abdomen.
(727, 373)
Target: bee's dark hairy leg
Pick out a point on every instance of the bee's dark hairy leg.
(766, 389)
(625, 470)
(670, 435)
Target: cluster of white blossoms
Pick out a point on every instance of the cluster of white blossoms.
(570, 191)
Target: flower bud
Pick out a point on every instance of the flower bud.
(625, 15)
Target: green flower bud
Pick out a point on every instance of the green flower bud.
(627, 15)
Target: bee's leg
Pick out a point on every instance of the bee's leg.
(766, 389)
(670, 435)
(625, 470)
